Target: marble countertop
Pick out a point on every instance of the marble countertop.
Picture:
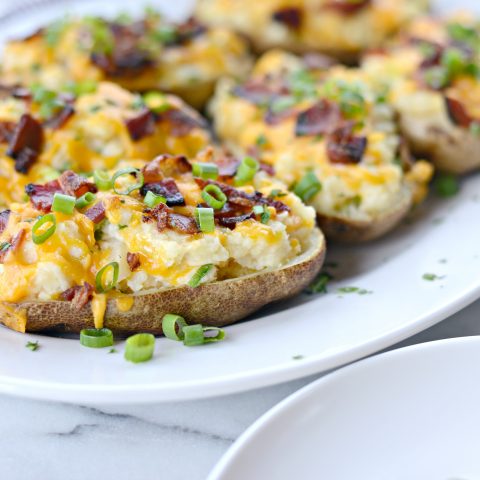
(173, 441)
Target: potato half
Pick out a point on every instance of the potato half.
(214, 304)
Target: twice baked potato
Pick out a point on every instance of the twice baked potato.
(330, 136)
(432, 72)
(139, 54)
(341, 28)
(213, 245)
(43, 132)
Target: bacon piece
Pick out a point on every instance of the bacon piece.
(96, 213)
(289, 16)
(166, 188)
(181, 122)
(4, 216)
(79, 295)
(165, 166)
(186, 32)
(274, 118)
(160, 214)
(182, 224)
(227, 165)
(231, 222)
(347, 7)
(267, 168)
(75, 185)
(60, 118)
(41, 196)
(258, 92)
(140, 126)
(318, 61)
(133, 260)
(6, 131)
(26, 143)
(344, 147)
(13, 244)
(320, 119)
(458, 113)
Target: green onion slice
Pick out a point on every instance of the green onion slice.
(205, 219)
(193, 335)
(85, 200)
(102, 180)
(198, 335)
(39, 238)
(172, 326)
(207, 171)
(199, 274)
(152, 199)
(307, 187)
(218, 334)
(446, 185)
(131, 188)
(139, 347)
(156, 102)
(214, 197)
(112, 270)
(246, 171)
(263, 211)
(63, 203)
(96, 337)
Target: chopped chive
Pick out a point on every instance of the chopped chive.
(85, 200)
(39, 238)
(131, 188)
(96, 337)
(307, 187)
(63, 203)
(112, 269)
(199, 275)
(139, 347)
(102, 180)
(246, 171)
(446, 185)
(32, 346)
(205, 219)
(152, 199)
(207, 171)
(156, 102)
(214, 197)
(172, 326)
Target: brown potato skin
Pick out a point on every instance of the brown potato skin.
(343, 230)
(452, 150)
(214, 304)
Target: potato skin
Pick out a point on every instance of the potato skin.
(345, 230)
(450, 148)
(212, 304)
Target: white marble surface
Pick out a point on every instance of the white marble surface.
(51, 441)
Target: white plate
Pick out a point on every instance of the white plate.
(409, 414)
(326, 330)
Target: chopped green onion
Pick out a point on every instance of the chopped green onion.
(220, 334)
(96, 337)
(82, 88)
(199, 274)
(102, 180)
(446, 185)
(152, 199)
(5, 246)
(262, 210)
(193, 335)
(205, 170)
(319, 285)
(246, 171)
(307, 187)
(139, 347)
(261, 140)
(39, 238)
(205, 219)
(85, 200)
(214, 197)
(32, 346)
(63, 203)
(102, 286)
(131, 188)
(198, 335)
(454, 61)
(170, 324)
(258, 209)
(436, 77)
(156, 102)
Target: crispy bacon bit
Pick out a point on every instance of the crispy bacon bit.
(181, 122)
(165, 166)
(96, 213)
(322, 118)
(258, 92)
(267, 168)
(347, 7)
(78, 295)
(458, 113)
(274, 118)
(166, 188)
(160, 214)
(227, 165)
(41, 196)
(14, 244)
(60, 118)
(4, 216)
(182, 224)
(133, 260)
(289, 16)
(187, 31)
(344, 147)
(6, 131)
(231, 222)
(140, 126)
(26, 143)
(75, 185)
